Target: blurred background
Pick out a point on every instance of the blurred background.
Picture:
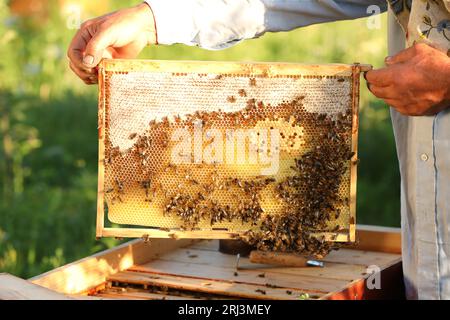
(48, 126)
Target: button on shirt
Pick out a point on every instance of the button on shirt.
(423, 143)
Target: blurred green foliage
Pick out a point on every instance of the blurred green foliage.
(48, 130)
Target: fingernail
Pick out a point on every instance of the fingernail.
(388, 59)
(89, 60)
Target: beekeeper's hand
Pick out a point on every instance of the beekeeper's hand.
(121, 34)
(416, 81)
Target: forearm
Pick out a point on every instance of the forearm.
(216, 24)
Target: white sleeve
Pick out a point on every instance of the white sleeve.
(218, 24)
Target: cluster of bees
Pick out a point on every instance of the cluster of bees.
(192, 209)
(310, 195)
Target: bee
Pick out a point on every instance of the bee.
(261, 291)
(252, 82)
(251, 103)
(164, 289)
(238, 182)
(231, 99)
(113, 200)
(242, 93)
(201, 196)
(146, 186)
(350, 155)
(120, 187)
(109, 190)
(132, 136)
(115, 152)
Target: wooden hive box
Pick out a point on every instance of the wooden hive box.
(193, 269)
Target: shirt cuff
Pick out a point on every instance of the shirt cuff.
(174, 21)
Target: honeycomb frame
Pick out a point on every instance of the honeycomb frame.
(247, 69)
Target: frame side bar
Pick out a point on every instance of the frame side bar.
(101, 153)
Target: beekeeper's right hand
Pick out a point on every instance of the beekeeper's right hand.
(121, 34)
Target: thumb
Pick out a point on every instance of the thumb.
(96, 48)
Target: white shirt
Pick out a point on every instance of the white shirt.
(423, 143)
(217, 24)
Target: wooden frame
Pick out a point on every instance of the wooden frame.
(89, 275)
(353, 165)
(236, 68)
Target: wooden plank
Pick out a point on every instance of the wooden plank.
(170, 234)
(83, 275)
(341, 256)
(100, 225)
(86, 297)
(364, 258)
(354, 161)
(230, 67)
(209, 245)
(199, 257)
(114, 296)
(13, 288)
(391, 287)
(197, 234)
(214, 287)
(290, 281)
(139, 295)
(375, 238)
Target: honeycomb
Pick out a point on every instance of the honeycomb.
(204, 146)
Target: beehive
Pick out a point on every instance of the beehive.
(227, 150)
